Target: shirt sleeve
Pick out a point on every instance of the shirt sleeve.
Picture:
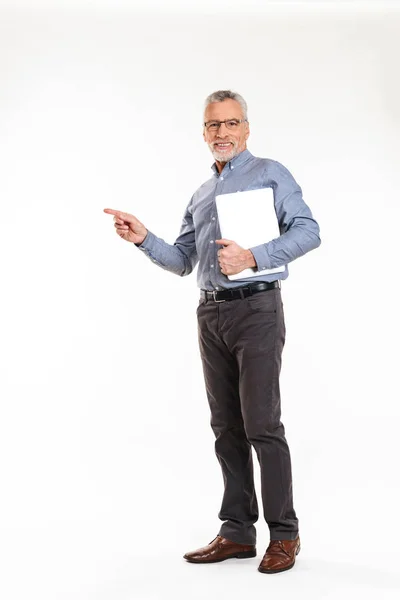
(299, 230)
(179, 258)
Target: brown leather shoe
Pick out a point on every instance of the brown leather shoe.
(280, 556)
(220, 549)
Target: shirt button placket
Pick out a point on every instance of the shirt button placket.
(213, 229)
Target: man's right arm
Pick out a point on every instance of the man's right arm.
(179, 258)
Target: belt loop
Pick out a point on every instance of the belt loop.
(241, 292)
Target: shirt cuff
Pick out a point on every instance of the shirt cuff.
(261, 257)
(148, 242)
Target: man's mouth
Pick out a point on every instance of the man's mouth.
(223, 146)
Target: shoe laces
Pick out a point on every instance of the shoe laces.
(276, 547)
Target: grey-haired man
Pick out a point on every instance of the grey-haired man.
(241, 332)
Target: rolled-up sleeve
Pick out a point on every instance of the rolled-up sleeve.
(179, 258)
(299, 230)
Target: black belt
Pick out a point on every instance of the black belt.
(239, 292)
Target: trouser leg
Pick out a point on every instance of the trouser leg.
(239, 509)
(254, 331)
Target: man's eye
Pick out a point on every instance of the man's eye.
(232, 124)
(213, 125)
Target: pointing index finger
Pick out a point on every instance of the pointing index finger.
(111, 211)
(122, 215)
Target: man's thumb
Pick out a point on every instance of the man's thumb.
(224, 242)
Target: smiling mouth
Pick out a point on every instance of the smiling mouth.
(224, 146)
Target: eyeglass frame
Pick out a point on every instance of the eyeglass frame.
(239, 121)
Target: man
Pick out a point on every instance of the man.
(241, 332)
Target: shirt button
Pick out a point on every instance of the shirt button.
(216, 287)
(211, 266)
(221, 178)
(211, 241)
(213, 219)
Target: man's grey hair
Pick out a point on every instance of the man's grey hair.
(222, 95)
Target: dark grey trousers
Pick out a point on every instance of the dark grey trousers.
(241, 343)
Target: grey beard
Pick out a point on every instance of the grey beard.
(225, 157)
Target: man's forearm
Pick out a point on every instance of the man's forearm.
(173, 258)
(297, 241)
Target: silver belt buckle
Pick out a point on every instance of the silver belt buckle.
(215, 300)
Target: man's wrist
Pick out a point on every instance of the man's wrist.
(140, 243)
(250, 260)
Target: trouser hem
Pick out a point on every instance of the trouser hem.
(236, 537)
(284, 536)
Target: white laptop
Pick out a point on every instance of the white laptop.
(249, 219)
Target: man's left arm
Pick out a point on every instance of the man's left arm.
(299, 230)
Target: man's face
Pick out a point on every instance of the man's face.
(225, 143)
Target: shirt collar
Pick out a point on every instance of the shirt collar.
(236, 161)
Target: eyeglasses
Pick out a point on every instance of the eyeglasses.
(230, 124)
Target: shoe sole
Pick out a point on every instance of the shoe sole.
(272, 571)
(249, 554)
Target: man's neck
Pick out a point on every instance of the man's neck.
(220, 165)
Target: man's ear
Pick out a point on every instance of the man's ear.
(247, 130)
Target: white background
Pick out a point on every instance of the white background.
(108, 473)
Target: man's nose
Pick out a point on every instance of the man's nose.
(223, 130)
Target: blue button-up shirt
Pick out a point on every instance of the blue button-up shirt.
(299, 232)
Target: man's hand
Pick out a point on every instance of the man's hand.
(128, 227)
(233, 258)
